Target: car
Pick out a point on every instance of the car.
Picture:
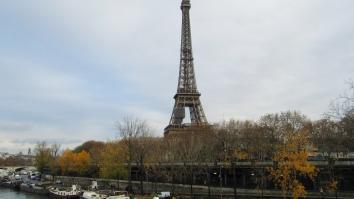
(164, 195)
(23, 172)
(17, 177)
(34, 176)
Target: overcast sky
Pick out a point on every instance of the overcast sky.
(70, 69)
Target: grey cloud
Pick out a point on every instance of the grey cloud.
(32, 141)
(251, 58)
(14, 127)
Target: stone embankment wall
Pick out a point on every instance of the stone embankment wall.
(149, 187)
(185, 190)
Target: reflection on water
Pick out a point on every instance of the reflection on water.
(11, 194)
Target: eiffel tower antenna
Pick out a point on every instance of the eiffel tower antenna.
(187, 95)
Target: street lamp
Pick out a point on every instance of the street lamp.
(220, 178)
(234, 178)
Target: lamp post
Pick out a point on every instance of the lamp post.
(220, 178)
(262, 181)
(234, 179)
(331, 163)
(208, 182)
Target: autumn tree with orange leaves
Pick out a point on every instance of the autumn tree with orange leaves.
(74, 163)
(291, 164)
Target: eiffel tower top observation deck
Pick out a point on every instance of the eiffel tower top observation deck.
(187, 95)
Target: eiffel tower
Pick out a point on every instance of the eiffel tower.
(187, 95)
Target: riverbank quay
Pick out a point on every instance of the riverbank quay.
(195, 191)
(178, 190)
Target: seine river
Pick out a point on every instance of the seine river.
(11, 194)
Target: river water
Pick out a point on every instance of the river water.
(11, 194)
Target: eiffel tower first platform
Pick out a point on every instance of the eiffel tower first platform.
(187, 95)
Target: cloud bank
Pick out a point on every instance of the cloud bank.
(70, 69)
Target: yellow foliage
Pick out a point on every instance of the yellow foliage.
(66, 162)
(332, 185)
(112, 161)
(74, 163)
(298, 191)
(291, 158)
(82, 162)
(240, 155)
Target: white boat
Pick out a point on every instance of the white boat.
(123, 196)
(93, 195)
(98, 195)
(119, 195)
(63, 193)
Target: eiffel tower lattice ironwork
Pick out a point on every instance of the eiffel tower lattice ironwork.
(187, 94)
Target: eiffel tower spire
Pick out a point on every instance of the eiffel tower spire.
(187, 93)
(187, 82)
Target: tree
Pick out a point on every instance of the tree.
(341, 111)
(54, 164)
(112, 160)
(328, 137)
(130, 129)
(346, 125)
(94, 148)
(67, 162)
(291, 164)
(55, 148)
(43, 156)
(343, 105)
(227, 136)
(192, 148)
(143, 147)
(90, 146)
(74, 163)
(242, 140)
(82, 162)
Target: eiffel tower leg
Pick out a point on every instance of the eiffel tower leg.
(178, 113)
(201, 113)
